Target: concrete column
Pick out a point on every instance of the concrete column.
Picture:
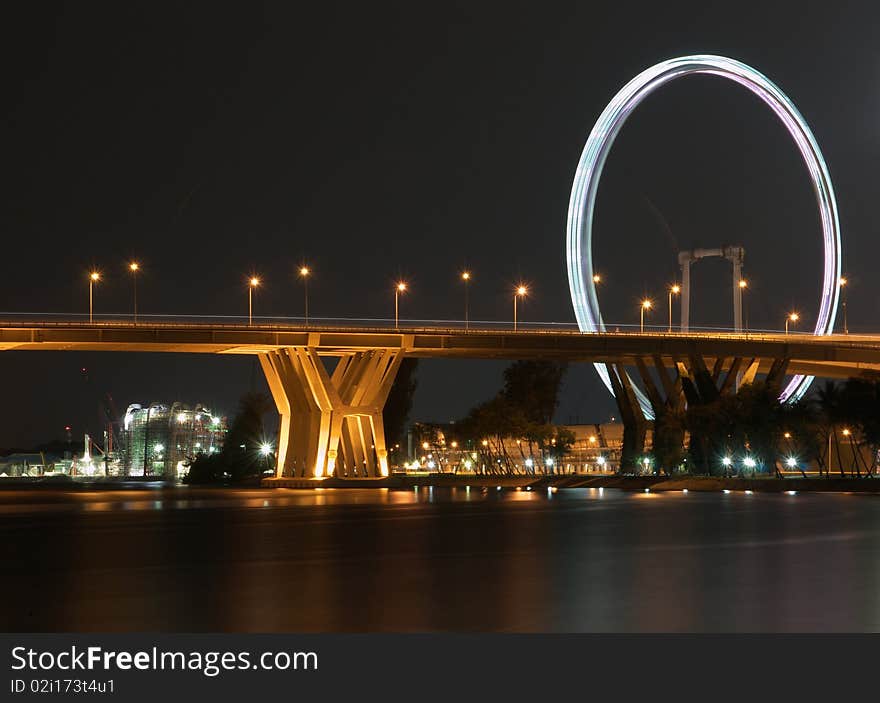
(684, 259)
(331, 425)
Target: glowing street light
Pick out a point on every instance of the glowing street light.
(94, 277)
(266, 449)
(743, 286)
(134, 267)
(791, 317)
(253, 282)
(843, 283)
(675, 289)
(644, 305)
(519, 292)
(791, 462)
(466, 277)
(398, 289)
(597, 278)
(304, 273)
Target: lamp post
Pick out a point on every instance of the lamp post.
(466, 277)
(134, 267)
(253, 282)
(519, 292)
(843, 283)
(791, 317)
(398, 289)
(743, 286)
(675, 289)
(94, 277)
(304, 273)
(645, 305)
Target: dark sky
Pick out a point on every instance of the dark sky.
(377, 140)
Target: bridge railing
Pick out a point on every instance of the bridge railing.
(385, 325)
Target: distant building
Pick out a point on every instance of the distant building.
(435, 447)
(27, 464)
(161, 440)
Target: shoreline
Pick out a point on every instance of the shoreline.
(655, 484)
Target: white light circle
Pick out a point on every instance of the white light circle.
(586, 184)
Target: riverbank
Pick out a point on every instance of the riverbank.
(400, 481)
(626, 483)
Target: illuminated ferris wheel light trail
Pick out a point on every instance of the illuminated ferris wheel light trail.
(586, 183)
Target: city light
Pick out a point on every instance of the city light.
(743, 283)
(791, 317)
(158, 448)
(643, 306)
(530, 462)
(600, 460)
(597, 278)
(675, 289)
(791, 462)
(519, 292)
(304, 273)
(727, 461)
(181, 417)
(265, 449)
(398, 289)
(466, 277)
(749, 462)
(585, 186)
(94, 277)
(253, 282)
(548, 462)
(134, 267)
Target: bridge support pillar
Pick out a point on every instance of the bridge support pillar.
(635, 426)
(331, 424)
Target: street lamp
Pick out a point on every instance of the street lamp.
(843, 283)
(94, 277)
(134, 267)
(675, 289)
(304, 273)
(597, 279)
(253, 282)
(398, 289)
(519, 292)
(743, 285)
(645, 305)
(791, 317)
(466, 277)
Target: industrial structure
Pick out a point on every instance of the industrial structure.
(735, 255)
(162, 440)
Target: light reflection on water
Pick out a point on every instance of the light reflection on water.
(439, 558)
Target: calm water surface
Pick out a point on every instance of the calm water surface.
(350, 560)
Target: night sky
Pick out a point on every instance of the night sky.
(414, 139)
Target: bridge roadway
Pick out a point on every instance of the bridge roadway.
(833, 356)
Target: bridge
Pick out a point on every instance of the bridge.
(331, 413)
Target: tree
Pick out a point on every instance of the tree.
(522, 411)
(240, 458)
(533, 386)
(400, 400)
(827, 401)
